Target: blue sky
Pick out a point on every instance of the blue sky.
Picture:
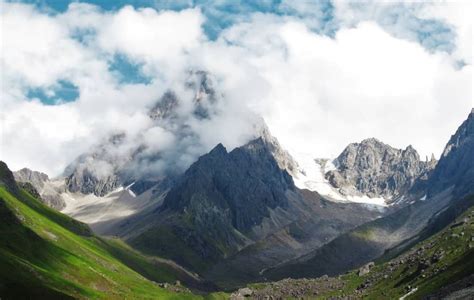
(319, 14)
(397, 18)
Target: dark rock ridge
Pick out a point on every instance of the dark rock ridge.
(456, 165)
(41, 185)
(376, 169)
(246, 182)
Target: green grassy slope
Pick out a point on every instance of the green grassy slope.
(44, 254)
(437, 266)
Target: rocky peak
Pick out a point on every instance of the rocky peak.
(165, 108)
(37, 179)
(201, 85)
(244, 183)
(85, 181)
(39, 185)
(218, 150)
(283, 158)
(376, 169)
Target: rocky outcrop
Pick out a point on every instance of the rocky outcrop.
(47, 191)
(456, 165)
(376, 169)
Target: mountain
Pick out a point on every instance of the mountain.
(45, 254)
(400, 229)
(456, 165)
(376, 169)
(218, 200)
(48, 190)
(233, 214)
(121, 160)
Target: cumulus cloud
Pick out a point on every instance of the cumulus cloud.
(317, 92)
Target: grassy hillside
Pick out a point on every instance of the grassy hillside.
(47, 255)
(437, 266)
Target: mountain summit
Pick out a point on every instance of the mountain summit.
(377, 169)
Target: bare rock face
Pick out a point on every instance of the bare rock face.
(48, 191)
(244, 183)
(456, 165)
(84, 181)
(37, 179)
(376, 169)
(283, 158)
(97, 172)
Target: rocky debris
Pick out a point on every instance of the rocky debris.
(365, 269)
(177, 287)
(297, 288)
(376, 169)
(241, 294)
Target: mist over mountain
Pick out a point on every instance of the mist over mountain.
(178, 132)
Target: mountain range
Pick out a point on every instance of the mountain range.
(235, 217)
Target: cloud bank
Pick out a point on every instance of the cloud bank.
(370, 77)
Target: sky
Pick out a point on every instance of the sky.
(322, 74)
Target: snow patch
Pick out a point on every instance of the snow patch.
(93, 209)
(130, 192)
(311, 176)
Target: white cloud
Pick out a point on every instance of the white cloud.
(323, 93)
(317, 93)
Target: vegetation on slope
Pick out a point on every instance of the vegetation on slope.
(44, 254)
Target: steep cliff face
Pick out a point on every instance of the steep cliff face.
(49, 191)
(378, 170)
(456, 165)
